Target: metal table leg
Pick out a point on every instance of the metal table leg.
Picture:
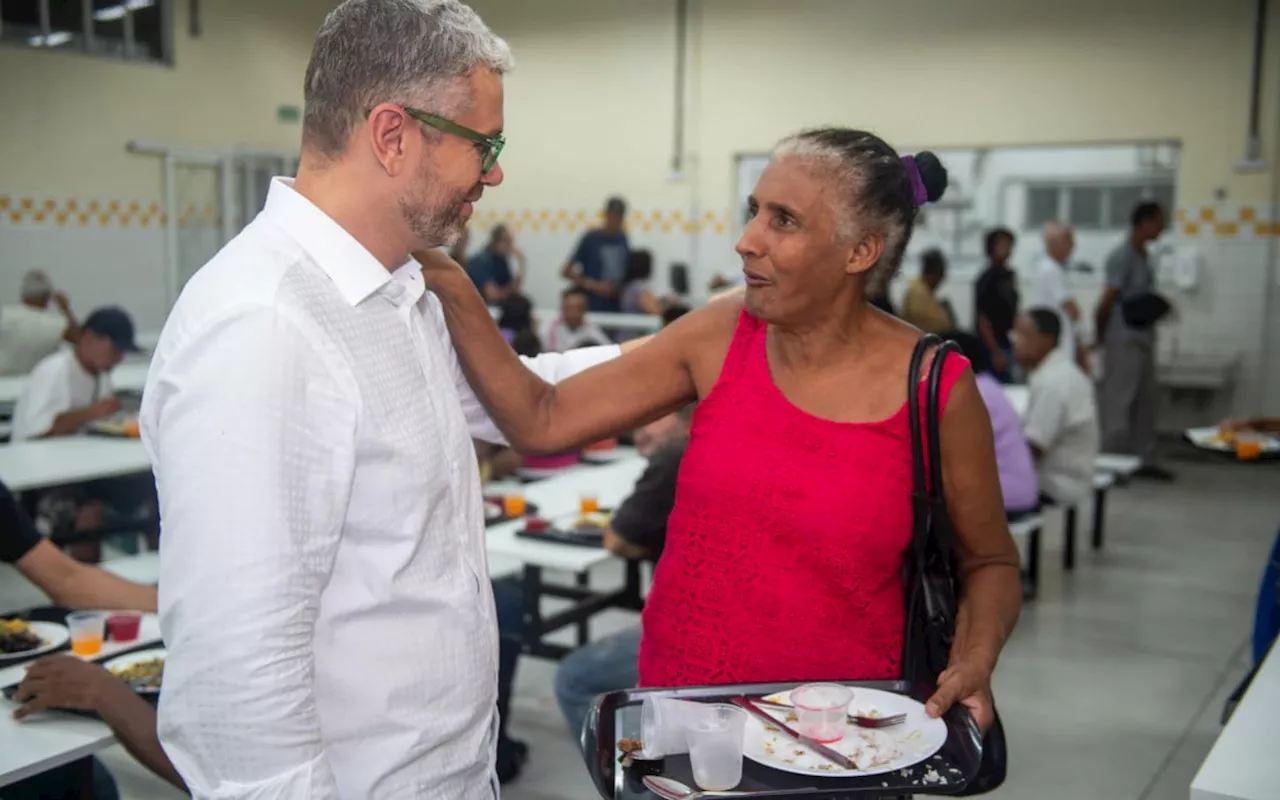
(1099, 513)
(1069, 543)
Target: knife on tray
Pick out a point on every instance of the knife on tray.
(816, 746)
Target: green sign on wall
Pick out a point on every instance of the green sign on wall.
(288, 114)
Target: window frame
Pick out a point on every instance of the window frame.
(87, 34)
(1148, 185)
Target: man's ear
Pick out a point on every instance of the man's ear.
(388, 129)
(865, 253)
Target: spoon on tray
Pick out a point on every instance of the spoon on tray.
(670, 789)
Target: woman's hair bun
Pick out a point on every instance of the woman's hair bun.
(932, 174)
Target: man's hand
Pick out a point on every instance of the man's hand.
(103, 407)
(63, 302)
(65, 682)
(968, 682)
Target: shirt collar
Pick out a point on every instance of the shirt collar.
(1058, 355)
(352, 268)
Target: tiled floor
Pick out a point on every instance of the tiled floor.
(1114, 680)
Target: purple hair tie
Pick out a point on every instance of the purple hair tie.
(919, 194)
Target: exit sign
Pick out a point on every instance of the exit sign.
(288, 114)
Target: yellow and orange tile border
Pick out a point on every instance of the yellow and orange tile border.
(1206, 221)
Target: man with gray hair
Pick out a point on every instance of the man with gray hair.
(31, 330)
(1047, 288)
(324, 591)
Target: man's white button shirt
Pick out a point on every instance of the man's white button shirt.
(324, 589)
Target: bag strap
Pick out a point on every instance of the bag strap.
(920, 499)
(933, 416)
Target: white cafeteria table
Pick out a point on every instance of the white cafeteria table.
(1242, 764)
(52, 739)
(43, 463)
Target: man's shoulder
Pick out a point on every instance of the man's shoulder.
(53, 365)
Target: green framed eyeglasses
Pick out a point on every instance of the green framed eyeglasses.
(490, 146)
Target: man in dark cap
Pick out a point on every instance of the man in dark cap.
(65, 392)
(71, 387)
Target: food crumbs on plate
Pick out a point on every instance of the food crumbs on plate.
(789, 760)
(913, 735)
(825, 766)
(791, 717)
(770, 729)
(932, 776)
(797, 752)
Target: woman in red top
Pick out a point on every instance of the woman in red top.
(784, 553)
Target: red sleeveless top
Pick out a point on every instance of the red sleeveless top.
(784, 551)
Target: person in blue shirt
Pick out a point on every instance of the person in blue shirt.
(490, 269)
(599, 264)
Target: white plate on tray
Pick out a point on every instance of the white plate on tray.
(1211, 439)
(876, 750)
(52, 636)
(120, 663)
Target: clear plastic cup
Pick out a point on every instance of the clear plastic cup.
(715, 734)
(662, 725)
(88, 628)
(821, 710)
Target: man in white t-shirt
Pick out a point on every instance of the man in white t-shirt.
(1047, 288)
(573, 330)
(31, 330)
(1061, 423)
(72, 388)
(65, 392)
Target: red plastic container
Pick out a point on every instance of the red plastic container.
(124, 627)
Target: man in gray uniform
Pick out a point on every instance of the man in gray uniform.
(1129, 390)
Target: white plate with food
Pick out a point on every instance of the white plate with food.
(876, 751)
(1225, 441)
(143, 670)
(22, 639)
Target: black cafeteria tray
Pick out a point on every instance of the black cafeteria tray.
(616, 716)
(529, 508)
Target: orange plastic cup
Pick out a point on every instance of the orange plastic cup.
(88, 629)
(513, 505)
(588, 504)
(1248, 449)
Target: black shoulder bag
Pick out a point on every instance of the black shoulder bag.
(930, 570)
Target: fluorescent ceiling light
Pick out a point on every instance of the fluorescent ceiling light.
(54, 39)
(112, 13)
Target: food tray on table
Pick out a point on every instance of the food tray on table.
(616, 716)
(496, 514)
(579, 530)
(1218, 441)
(136, 657)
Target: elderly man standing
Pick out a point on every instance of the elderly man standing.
(31, 330)
(1047, 288)
(325, 597)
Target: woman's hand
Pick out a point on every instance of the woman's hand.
(438, 268)
(967, 682)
